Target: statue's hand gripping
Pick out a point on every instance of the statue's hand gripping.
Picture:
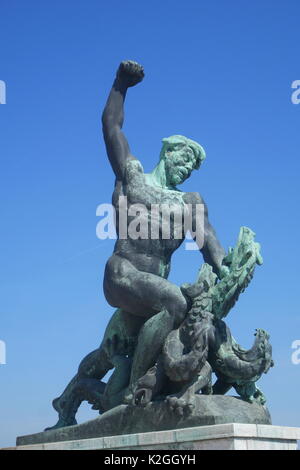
(130, 73)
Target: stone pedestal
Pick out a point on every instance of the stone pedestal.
(157, 416)
(230, 436)
(217, 422)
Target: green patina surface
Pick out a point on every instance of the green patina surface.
(164, 341)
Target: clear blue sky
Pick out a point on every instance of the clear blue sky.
(220, 73)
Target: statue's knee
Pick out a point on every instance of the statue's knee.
(94, 365)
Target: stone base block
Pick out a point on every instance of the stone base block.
(231, 436)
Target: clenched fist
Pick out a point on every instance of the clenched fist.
(130, 73)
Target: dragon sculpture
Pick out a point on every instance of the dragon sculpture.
(203, 343)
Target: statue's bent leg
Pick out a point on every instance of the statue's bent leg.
(117, 384)
(141, 293)
(144, 294)
(118, 342)
(91, 369)
(151, 339)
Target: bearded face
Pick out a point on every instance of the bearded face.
(180, 161)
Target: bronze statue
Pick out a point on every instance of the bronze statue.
(153, 313)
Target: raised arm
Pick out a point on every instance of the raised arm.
(129, 74)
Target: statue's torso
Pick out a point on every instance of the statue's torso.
(152, 254)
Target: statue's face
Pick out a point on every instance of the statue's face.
(180, 161)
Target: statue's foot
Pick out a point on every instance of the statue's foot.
(65, 418)
(259, 397)
(180, 406)
(62, 423)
